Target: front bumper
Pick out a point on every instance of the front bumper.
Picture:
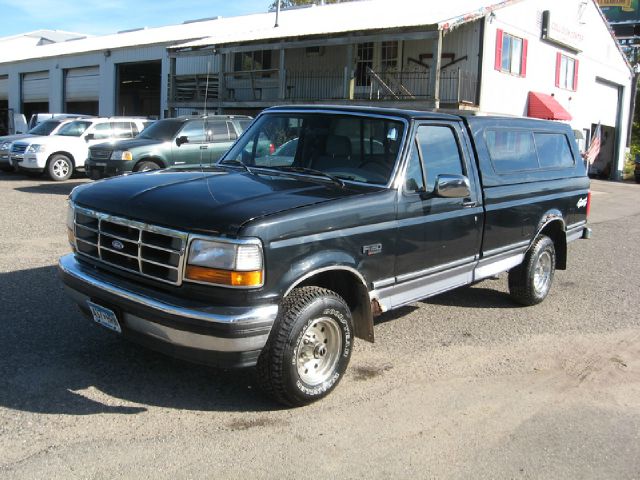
(29, 162)
(214, 335)
(107, 168)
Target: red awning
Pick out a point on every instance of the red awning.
(545, 106)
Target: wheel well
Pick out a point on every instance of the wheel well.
(350, 287)
(157, 161)
(555, 231)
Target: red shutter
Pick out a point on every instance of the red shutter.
(575, 75)
(558, 63)
(523, 66)
(498, 64)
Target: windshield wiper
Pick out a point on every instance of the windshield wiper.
(233, 161)
(311, 171)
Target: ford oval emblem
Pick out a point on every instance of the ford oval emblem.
(117, 244)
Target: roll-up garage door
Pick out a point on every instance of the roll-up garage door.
(605, 110)
(82, 84)
(4, 87)
(35, 87)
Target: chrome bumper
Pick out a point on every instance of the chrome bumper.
(202, 328)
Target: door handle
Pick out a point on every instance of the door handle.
(469, 204)
(203, 147)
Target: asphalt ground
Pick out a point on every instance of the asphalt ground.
(463, 385)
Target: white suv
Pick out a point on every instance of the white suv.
(60, 154)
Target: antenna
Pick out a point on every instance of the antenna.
(206, 88)
(277, 14)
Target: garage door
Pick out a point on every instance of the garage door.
(82, 84)
(4, 87)
(605, 110)
(35, 87)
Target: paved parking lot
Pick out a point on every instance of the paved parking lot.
(463, 385)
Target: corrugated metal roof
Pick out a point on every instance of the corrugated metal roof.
(352, 16)
(318, 20)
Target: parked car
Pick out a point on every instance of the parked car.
(244, 263)
(636, 170)
(38, 118)
(169, 142)
(48, 127)
(65, 152)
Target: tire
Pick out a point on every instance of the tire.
(146, 166)
(59, 168)
(637, 178)
(7, 169)
(308, 349)
(530, 282)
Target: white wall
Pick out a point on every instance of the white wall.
(599, 57)
(56, 66)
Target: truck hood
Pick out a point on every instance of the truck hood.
(128, 144)
(52, 140)
(13, 138)
(214, 200)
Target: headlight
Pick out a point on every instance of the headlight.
(121, 155)
(5, 146)
(71, 232)
(229, 264)
(35, 148)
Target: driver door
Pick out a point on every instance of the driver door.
(195, 151)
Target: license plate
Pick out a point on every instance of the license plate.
(99, 164)
(105, 317)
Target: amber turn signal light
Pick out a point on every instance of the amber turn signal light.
(224, 277)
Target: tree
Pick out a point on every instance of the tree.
(295, 3)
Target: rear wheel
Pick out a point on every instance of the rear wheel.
(7, 169)
(309, 347)
(59, 168)
(530, 282)
(146, 166)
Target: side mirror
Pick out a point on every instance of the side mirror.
(452, 186)
(181, 140)
(89, 136)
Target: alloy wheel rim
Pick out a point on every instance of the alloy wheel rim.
(60, 168)
(542, 272)
(319, 350)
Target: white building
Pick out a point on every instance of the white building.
(544, 58)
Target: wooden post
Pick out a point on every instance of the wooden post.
(437, 66)
(172, 86)
(222, 87)
(348, 74)
(282, 76)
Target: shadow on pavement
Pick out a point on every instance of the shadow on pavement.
(54, 360)
(473, 297)
(51, 188)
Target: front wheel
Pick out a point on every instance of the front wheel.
(60, 168)
(146, 166)
(309, 347)
(530, 282)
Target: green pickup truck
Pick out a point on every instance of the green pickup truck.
(169, 142)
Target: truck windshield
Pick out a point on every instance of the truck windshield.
(357, 148)
(74, 129)
(45, 128)
(161, 130)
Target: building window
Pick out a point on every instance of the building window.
(388, 56)
(511, 54)
(566, 72)
(247, 61)
(363, 63)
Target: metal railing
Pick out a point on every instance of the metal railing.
(310, 85)
(456, 86)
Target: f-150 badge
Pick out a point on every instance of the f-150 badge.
(372, 249)
(582, 202)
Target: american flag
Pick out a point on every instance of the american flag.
(594, 147)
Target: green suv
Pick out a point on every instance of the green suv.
(182, 141)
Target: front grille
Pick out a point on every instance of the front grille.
(100, 154)
(18, 148)
(148, 250)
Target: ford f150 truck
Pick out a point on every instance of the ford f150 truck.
(282, 264)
